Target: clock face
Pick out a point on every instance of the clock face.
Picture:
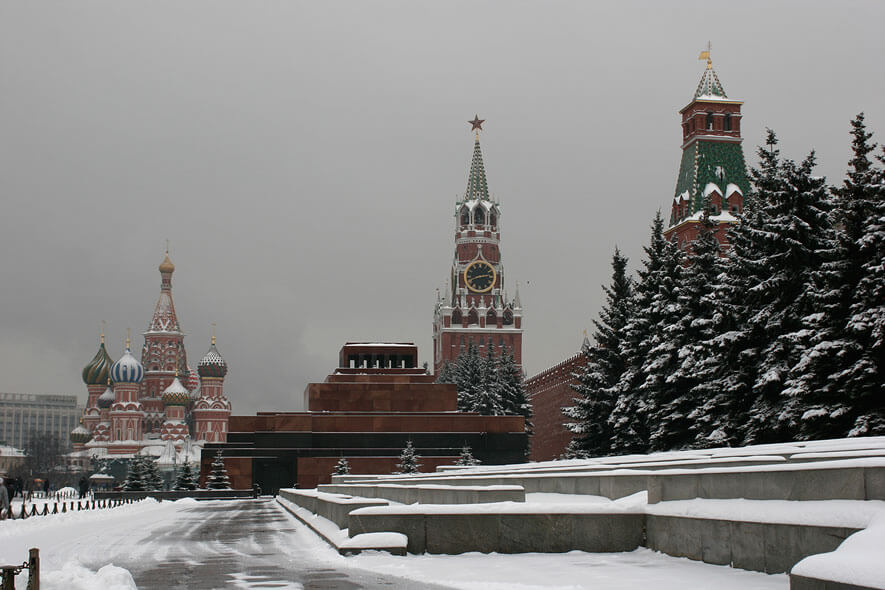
(480, 276)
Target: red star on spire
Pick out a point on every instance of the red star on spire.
(476, 123)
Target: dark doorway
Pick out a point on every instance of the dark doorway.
(273, 474)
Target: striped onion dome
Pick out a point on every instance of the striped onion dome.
(127, 369)
(96, 372)
(212, 365)
(176, 394)
(80, 435)
(193, 380)
(106, 399)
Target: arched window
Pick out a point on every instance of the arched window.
(491, 318)
(465, 216)
(479, 216)
(508, 317)
(472, 317)
(456, 317)
(710, 121)
(726, 124)
(493, 218)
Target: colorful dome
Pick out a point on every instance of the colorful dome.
(96, 372)
(212, 365)
(106, 399)
(176, 394)
(166, 265)
(127, 369)
(193, 380)
(80, 435)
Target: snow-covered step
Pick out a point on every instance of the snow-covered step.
(334, 507)
(430, 493)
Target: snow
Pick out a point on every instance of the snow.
(858, 560)
(733, 188)
(857, 514)
(74, 576)
(711, 188)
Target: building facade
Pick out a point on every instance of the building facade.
(712, 172)
(474, 307)
(366, 411)
(158, 405)
(22, 413)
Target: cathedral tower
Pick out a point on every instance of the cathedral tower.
(163, 355)
(475, 307)
(126, 413)
(212, 410)
(712, 172)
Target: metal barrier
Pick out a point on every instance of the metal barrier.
(73, 507)
(33, 567)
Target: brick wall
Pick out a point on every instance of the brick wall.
(548, 392)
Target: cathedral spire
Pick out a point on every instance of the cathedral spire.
(477, 187)
(164, 318)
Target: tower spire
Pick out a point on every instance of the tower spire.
(709, 84)
(477, 187)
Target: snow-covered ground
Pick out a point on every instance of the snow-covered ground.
(83, 550)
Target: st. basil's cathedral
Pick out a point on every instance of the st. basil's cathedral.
(157, 406)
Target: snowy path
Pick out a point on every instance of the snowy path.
(256, 544)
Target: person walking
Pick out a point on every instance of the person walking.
(5, 511)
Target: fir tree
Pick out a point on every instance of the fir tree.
(187, 479)
(446, 373)
(600, 426)
(135, 477)
(466, 459)
(511, 389)
(342, 467)
(677, 416)
(153, 481)
(468, 376)
(408, 461)
(485, 395)
(218, 479)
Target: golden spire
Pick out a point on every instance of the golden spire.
(102, 331)
(213, 333)
(706, 55)
(128, 339)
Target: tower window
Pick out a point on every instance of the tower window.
(727, 122)
(493, 218)
(508, 317)
(709, 121)
(465, 216)
(479, 216)
(456, 316)
(472, 317)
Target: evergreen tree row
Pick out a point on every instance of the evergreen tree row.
(488, 384)
(780, 337)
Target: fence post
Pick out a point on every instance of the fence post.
(34, 569)
(24, 513)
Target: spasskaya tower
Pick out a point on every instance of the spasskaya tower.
(474, 307)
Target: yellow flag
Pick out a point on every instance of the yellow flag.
(704, 55)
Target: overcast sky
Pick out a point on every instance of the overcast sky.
(303, 159)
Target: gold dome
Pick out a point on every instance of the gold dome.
(166, 265)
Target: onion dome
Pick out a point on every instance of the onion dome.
(212, 365)
(193, 380)
(166, 266)
(80, 435)
(96, 372)
(127, 369)
(176, 394)
(106, 400)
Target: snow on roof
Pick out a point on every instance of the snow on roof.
(711, 187)
(733, 188)
(683, 196)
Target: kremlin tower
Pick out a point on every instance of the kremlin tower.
(135, 407)
(712, 173)
(474, 307)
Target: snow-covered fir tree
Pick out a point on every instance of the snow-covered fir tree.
(840, 374)
(599, 424)
(218, 479)
(186, 480)
(408, 460)
(485, 397)
(466, 459)
(511, 388)
(678, 409)
(342, 467)
(135, 477)
(152, 479)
